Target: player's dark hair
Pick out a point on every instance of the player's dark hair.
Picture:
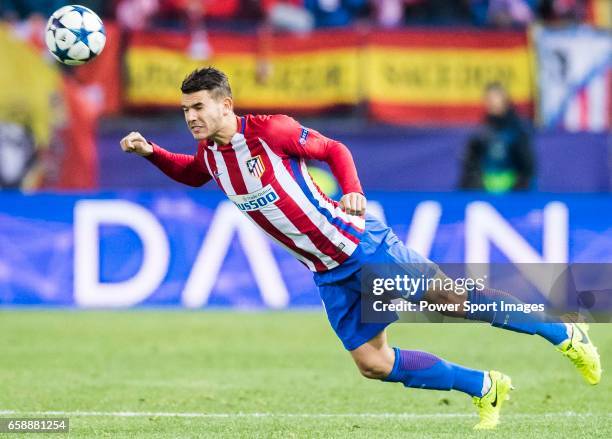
(207, 78)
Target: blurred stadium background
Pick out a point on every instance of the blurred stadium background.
(400, 82)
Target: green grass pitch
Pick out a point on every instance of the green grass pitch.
(229, 374)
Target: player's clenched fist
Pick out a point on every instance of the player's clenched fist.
(137, 144)
(353, 203)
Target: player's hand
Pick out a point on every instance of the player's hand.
(135, 143)
(353, 203)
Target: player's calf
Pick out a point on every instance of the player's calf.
(489, 304)
(422, 370)
(427, 371)
(486, 305)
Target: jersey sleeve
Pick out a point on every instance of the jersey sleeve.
(290, 138)
(184, 168)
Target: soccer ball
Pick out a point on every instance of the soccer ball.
(75, 35)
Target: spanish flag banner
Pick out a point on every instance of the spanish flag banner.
(404, 77)
(439, 76)
(288, 72)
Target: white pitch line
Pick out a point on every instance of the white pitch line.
(287, 415)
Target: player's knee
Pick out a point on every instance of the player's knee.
(372, 371)
(374, 368)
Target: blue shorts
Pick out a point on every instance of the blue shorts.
(340, 288)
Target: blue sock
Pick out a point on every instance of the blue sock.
(426, 371)
(552, 329)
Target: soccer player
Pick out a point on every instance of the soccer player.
(259, 162)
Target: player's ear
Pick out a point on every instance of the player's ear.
(228, 105)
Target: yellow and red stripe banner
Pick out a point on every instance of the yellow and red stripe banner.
(439, 76)
(265, 73)
(405, 77)
(599, 13)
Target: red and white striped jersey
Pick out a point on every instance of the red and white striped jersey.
(263, 172)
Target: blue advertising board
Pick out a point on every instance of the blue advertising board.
(194, 249)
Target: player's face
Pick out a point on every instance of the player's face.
(204, 114)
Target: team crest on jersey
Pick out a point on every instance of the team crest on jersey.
(255, 166)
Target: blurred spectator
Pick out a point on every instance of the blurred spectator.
(21, 9)
(563, 10)
(390, 13)
(194, 11)
(437, 12)
(136, 15)
(288, 15)
(507, 13)
(503, 13)
(498, 157)
(336, 13)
